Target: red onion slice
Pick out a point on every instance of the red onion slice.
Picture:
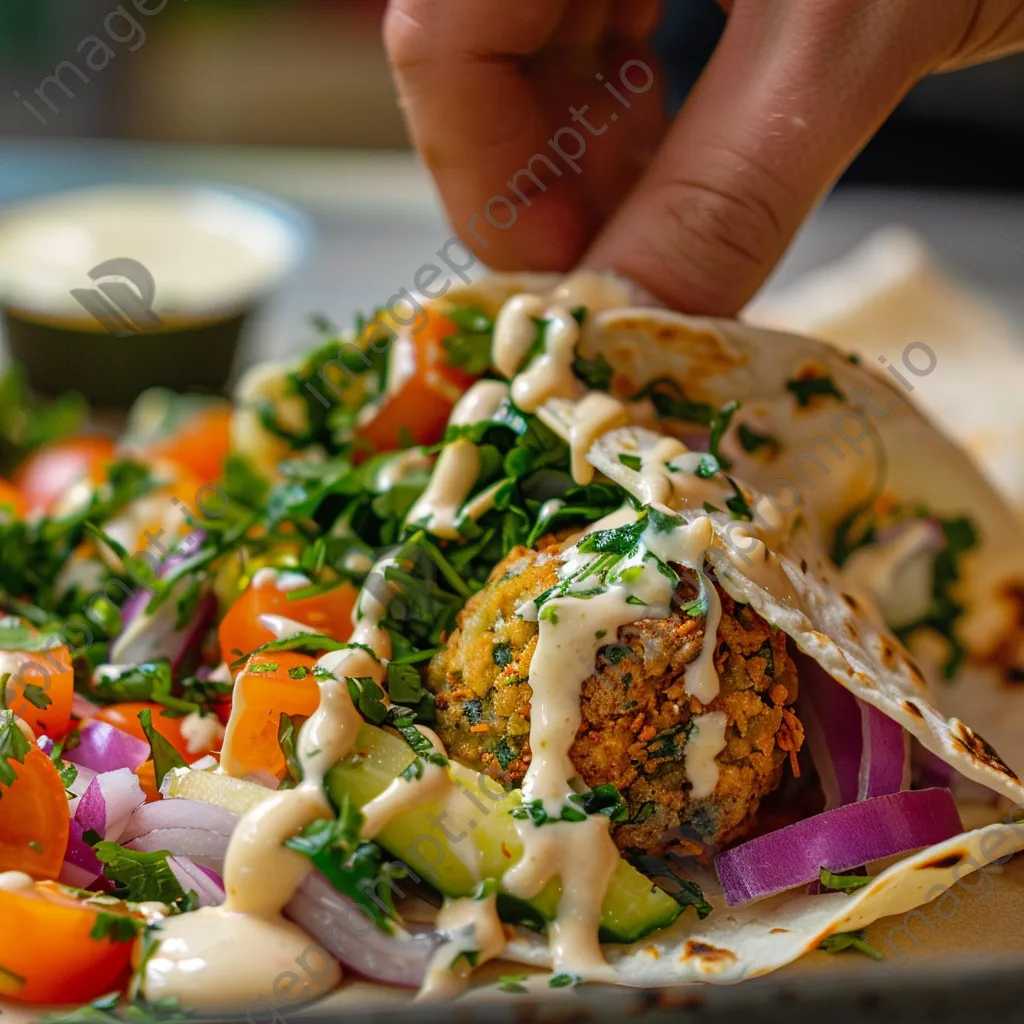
(146, 637)
(107, 803)
(832, 722)
(192, 877)
(103, 748)
(199, 834)
(883, 762)
(858, 751)
(345, 931)
(839, 840)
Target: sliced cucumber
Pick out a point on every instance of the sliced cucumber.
(439, 842)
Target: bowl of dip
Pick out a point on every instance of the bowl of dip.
(112, 290)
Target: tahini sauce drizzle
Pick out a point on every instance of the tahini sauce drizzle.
(570, 632)
(472, 929)
(438, 508)
(230, 955)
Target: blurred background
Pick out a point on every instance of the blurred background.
(293, 97)
(312, 73)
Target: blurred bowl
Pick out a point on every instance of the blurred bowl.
(111, 290)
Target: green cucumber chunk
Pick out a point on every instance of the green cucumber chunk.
(442, 841)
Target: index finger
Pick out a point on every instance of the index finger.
(476, 121)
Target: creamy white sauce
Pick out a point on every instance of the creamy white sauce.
(228, 955)
(393, 472)
(472, 929)
(479, 403)
(401, 363)
(358, 561)
(282, 627)
(404, 794)
(201, 732)
(439, 507)
(596, 414)
(706, 740)
(15, 881)
(284, 580)
(571, 629)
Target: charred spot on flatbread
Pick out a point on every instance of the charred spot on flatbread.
(978, 749)
(949, 860)
(704, 951)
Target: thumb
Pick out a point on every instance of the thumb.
(790, 96)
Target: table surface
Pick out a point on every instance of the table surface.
(376, 220)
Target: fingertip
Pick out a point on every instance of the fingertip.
(549, 233)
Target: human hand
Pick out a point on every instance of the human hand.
(698, 211)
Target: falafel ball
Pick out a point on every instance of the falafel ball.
(636, 714)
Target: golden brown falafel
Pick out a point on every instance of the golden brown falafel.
(636, 714)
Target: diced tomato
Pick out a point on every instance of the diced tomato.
(34, 820)
(40, 688)
(270, 685)
(48, 952)
(241, 632)
(11, 499)
(418, 410)
(201, 445)
(146, 774)
(125, 716)
(46, 475)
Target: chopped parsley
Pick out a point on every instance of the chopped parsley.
(116, 928)
(840, 942)
(142, 877)
(807, 388)
(595, 371)
(287, 738)
(842, 883)
(753, 442)
(14, 747)
(633, 462)
(165, 757)
(355, 868)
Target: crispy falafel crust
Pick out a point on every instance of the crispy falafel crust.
(636, 714)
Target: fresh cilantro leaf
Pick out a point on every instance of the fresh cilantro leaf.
(116, 928)
(662, 871)
(842, 883)
(633, 462)
(595, 371)
(14, 747)
(512, 983)
(287, 737)
(140, 877)
(707, 467)
(368, 697)
(563, 980)
(839, 942)
(355, 868)
(36, 696)
(720, 420)
(752, 442)
(165, 757)
(808, 388)
(669, 399)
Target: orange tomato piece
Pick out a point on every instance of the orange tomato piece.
(11, 498)
(40, 677)
(47, 950)
(270, 685)
(201, 445)
(34, 819)
(418, 410)
(241, 631)
(146, 774)
(45, 476)
(125, 716)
